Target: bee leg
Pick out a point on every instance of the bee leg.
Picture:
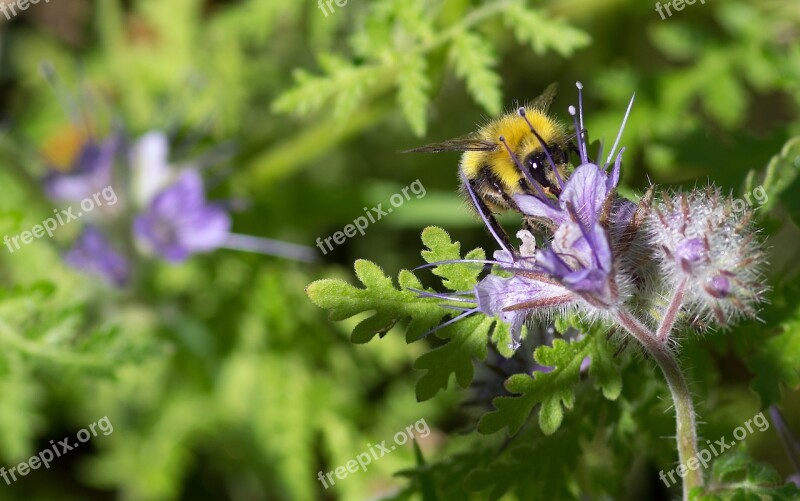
(482, 208)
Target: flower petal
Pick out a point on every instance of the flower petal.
(586, 192)
(533, 206)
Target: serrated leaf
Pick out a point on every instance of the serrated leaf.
(468, 340)
(379, 295)
(474, 61)
(456, 277)
(543, 32)
(344, 84)
(412, 93)
(389, 304)
(553, 390)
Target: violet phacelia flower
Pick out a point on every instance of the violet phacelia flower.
(179, 222)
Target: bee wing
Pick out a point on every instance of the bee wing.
(470, 142)
(544, 101)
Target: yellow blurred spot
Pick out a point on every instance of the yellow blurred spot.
(62, 149)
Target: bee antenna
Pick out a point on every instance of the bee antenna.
(522, 168)
(579, 136)
(521, 112)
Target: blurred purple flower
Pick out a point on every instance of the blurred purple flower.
(92, 253)
(179, 222)
(88, 174)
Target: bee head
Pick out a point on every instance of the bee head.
(543, 152)
(541, 168)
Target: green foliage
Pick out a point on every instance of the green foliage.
(413, 92)
(390, 305)
(735, 476)
(396, 43)
(467, 339)
(543, 32)
(776, 362)
(474, 61)
(554, 390)
(466, 342)
(779, 175)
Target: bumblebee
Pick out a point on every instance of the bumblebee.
(522, 152)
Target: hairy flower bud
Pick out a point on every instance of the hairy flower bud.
(710, 250)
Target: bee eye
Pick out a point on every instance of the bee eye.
(539, 165)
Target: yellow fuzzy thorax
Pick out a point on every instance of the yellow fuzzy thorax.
(521, 141)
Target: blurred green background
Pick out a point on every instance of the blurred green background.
(221, 379)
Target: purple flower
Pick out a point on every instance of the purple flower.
(576, 266)
(511, 298)
(580, 254)
(179, 222)
(92, 253)
(89, 173)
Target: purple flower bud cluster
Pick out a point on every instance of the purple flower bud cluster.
(709, 249)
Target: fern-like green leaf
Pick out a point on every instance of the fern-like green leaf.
(474, 60)
(379, 295)
(553, 390)
(413, 87)
(468, 339)
(543, 32)
(456, 277)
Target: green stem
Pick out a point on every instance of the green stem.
(686, 434)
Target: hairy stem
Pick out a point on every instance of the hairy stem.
(671, 314)
(686, 434)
